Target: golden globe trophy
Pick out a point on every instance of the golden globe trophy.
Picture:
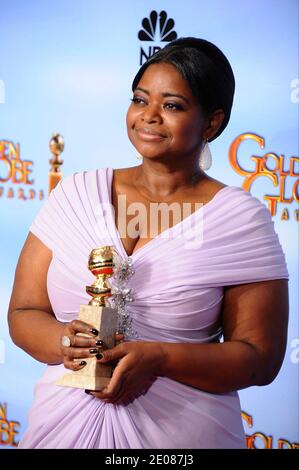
(56, 146)
(96, 376)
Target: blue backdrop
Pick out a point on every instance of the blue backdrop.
(67, 67)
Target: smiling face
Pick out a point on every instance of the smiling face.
(165, 121)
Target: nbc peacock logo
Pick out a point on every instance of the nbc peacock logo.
(157, 28)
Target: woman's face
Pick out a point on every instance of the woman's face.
(164, 119)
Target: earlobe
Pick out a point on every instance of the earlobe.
(215, 123)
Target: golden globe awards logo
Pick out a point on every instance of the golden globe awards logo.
(284, 170)
(17, 172)
(158, 28)
(260, 440)
(8, 429)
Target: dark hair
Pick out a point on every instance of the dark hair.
(207, 70)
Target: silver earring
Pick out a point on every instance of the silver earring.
(205, 159)
(139, 156)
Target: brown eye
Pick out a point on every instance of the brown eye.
(173, 106)
(137, 100)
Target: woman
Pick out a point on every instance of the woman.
(218, 271)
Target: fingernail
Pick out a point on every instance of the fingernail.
(88, 392)
(99, 356)
(94, 331)
(100, 342)
(93, 351)
(83, 363)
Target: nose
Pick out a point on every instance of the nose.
(151, 114)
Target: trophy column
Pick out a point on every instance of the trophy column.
(56, 147)
(96, 376)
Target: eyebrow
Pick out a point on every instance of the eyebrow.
(166, 94)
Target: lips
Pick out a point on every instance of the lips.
(149, 134)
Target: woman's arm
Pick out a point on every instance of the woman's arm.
(32, 324)
(255, 319)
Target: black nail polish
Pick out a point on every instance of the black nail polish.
(83, 363)
(99, 342)
(99, 356)
(93, 351)
(88, 392)
(94, 331)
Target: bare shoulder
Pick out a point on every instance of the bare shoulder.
(207, 188)
(124, 174)
(213, 185)
(122, 180)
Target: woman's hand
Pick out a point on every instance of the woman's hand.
(75, 347)
(138, 365)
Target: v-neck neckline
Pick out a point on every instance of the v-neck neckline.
(109, 179)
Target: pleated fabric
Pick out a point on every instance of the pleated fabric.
(178, 288)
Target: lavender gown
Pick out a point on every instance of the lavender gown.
(178, 291)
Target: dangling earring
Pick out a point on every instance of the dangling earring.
(205, 159)
(139, 156)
